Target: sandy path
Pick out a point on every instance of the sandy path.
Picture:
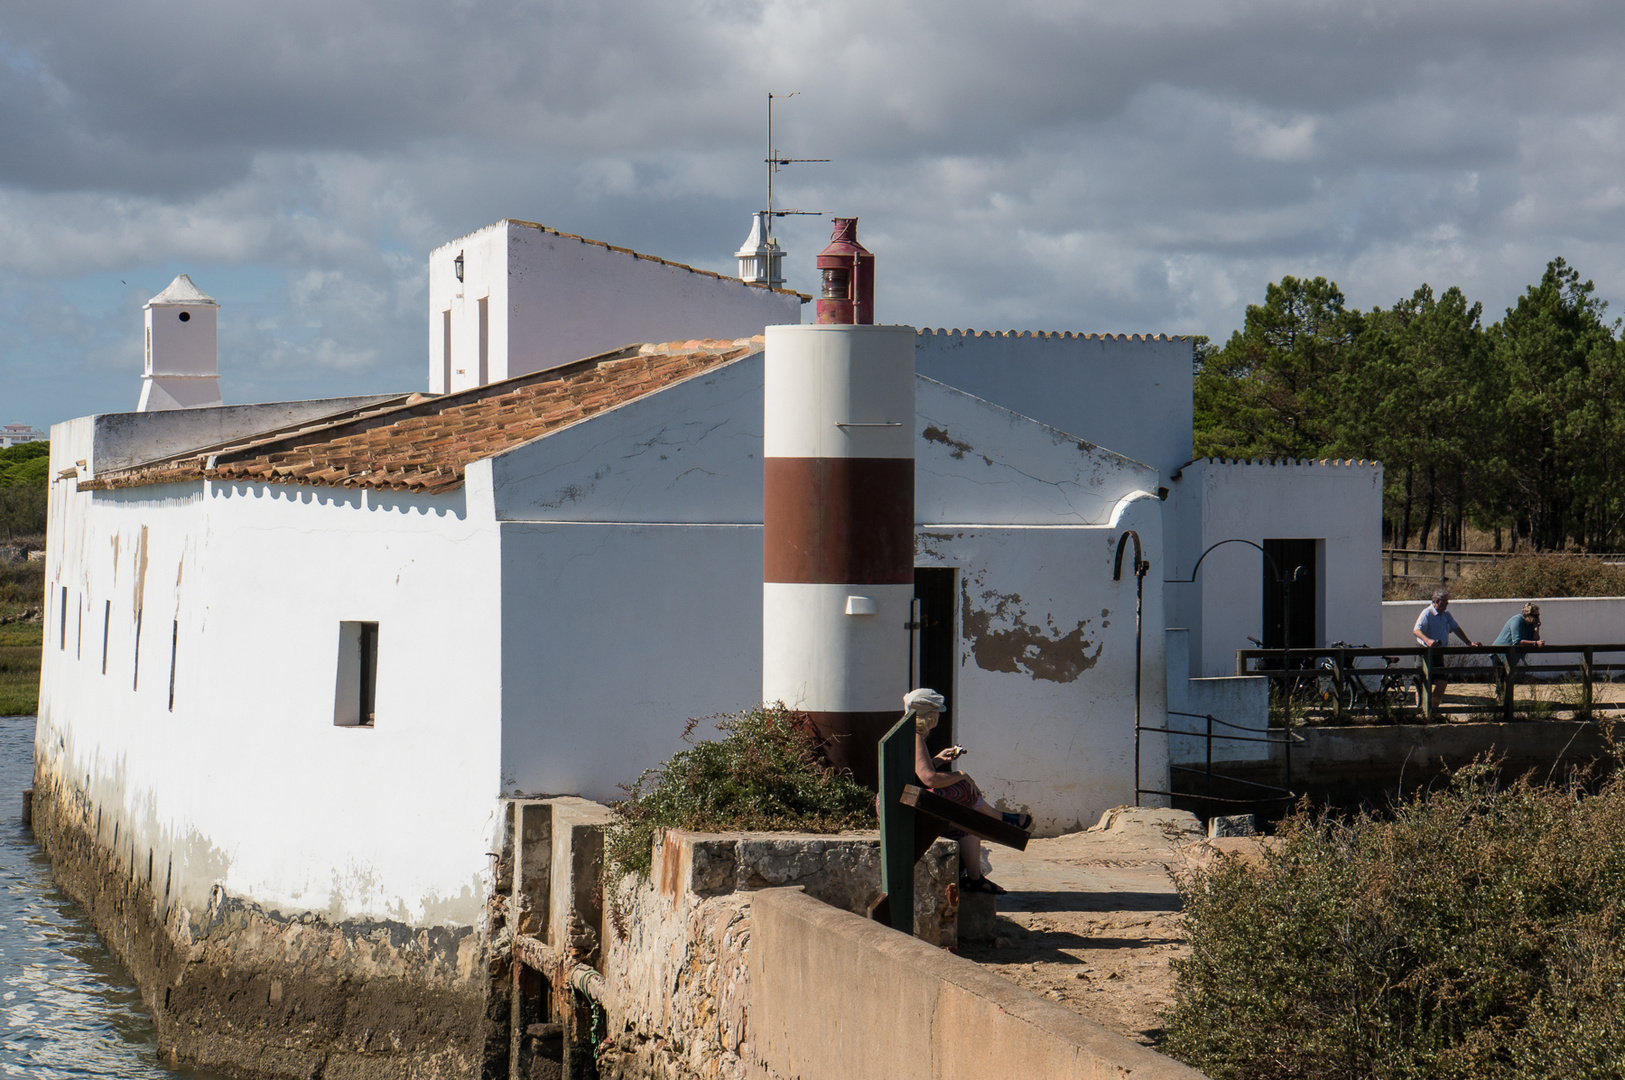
(1092, 918)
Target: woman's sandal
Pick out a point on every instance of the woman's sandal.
(1024, 822)
(979, 884)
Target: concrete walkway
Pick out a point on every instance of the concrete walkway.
(1092, 918)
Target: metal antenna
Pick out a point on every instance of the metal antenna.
(775, 162)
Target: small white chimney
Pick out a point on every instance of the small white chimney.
(183, 367)
(761, 260)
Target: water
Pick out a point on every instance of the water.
(67, 1009)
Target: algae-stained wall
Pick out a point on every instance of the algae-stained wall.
(209, 745)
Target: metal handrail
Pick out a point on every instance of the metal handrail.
(1286, 793)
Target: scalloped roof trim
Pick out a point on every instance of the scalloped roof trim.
(1061, 335)
(1318, 463)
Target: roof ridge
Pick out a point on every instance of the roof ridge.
(804, 297)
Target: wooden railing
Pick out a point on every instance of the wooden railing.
(1343, 685)
(1441, 566)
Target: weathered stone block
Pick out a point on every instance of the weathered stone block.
(1231, 825)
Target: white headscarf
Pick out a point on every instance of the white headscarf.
(923, 699)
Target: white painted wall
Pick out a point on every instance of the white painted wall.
(691, 453)
(1210, 501)
(248, 783)
(633, 546)
(1044, 695)
(978, 462)
(613, 636)
(1129, 394)
(553, 298)
(1242, 701)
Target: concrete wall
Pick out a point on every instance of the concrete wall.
(1127, 393)
(838, 997)
(1596, 620)
(1339, 504)
(552, 298)
(220, 606)
(1242, 701)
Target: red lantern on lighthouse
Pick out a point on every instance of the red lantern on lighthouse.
(847, 295)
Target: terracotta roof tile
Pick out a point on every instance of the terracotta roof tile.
(425, 443)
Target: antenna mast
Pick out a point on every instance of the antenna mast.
(775, 162)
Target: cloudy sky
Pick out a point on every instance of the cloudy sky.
(1041, 164)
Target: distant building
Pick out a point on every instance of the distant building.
(16, 434)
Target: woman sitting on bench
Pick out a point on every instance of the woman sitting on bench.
(938, 774)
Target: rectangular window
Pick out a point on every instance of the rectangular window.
(355, 694)
(135, 678)
(107, 623)
(62, 619)
(174, 640)
(485, 340)
(445, 351)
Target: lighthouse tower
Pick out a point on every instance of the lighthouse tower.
(838, 511)
(183, 370)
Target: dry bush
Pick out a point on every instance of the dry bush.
(1475, 934)
(1541, 575)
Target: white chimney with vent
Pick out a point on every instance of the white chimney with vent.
(761, 260)
(183, 368)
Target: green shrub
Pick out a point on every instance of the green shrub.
(20, 645)
(22, 587)
(1476, 934)
(766, 773)
(1548, 574)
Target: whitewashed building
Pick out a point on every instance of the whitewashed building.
(297, 653)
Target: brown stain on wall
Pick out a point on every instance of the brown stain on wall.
(1001, 639)
(141, 569)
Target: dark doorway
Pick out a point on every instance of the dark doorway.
(934, 656)
(1287, 555)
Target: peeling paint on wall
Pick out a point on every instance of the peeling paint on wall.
(956, 449)
(1001, 638)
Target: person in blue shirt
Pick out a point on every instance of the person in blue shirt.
(1522, 629)
(1434, 627)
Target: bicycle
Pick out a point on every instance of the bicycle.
(1302, 689)
(1390, 691)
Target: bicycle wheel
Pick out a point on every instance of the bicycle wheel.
(1393, 693)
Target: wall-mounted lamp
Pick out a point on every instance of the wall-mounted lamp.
(457, 264)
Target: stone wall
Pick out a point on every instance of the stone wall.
(242, 990)
(677, 998)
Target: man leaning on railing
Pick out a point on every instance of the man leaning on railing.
(1433, 628)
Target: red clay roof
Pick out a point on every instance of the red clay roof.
(427, 443)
